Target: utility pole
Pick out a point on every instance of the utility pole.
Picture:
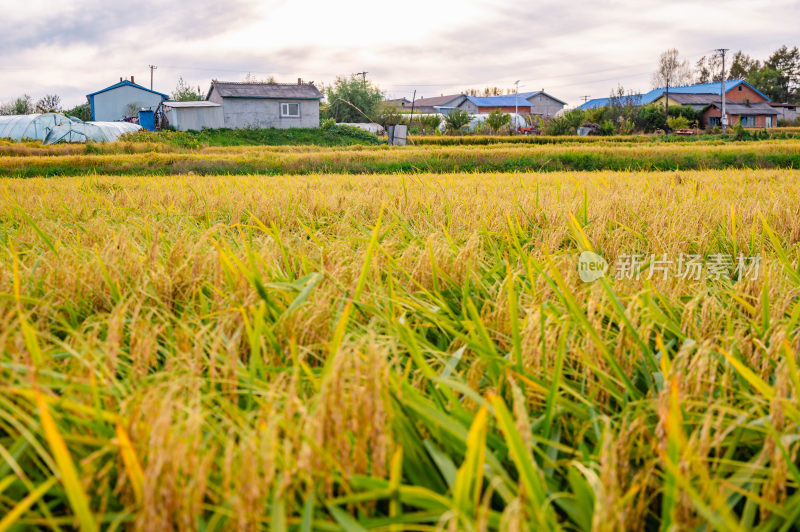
(724, 119)
(516, 104)
(666, 106)
(585, 98)
(364, 76)
(151, 67)
(413, 99)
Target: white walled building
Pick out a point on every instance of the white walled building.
(184, 116)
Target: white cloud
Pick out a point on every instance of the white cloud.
(73, 48)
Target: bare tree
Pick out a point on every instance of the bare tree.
(49, 103)
(21, 106)
(671, 70)
(708, 69)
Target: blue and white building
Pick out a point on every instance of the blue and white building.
(122, 100)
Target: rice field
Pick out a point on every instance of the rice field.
(144, 158)
(399, 351)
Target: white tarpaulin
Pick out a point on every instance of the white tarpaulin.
(52, 128)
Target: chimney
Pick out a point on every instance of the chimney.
(747, 102)
(299, 81)
(132, 79)
(120, 79)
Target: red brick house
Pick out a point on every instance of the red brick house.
(743, 102)
(749, 114)
(749, 106)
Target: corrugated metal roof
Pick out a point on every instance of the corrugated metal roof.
(201, 103)
(232, 89)
(760, 108)
(698, 88)
(437, 100)
(695, 99)
(594, 103)
(529, 94)
(499, 101)
(128, 83)
(507, 100)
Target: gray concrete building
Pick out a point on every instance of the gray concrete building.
(265, 105)
(786, 111)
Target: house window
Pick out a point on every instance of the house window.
(748, 121)
(290, 110)
(713, 121)
(740, 88)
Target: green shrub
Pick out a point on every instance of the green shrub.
(457, 119)
(678, 122)
(497, 119)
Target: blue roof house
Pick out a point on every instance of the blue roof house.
(122, 100)
(713, 88)
(537, 103)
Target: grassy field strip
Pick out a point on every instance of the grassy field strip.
(412, 159)
(397, 352)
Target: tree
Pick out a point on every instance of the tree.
(497, 119)
(456, 119)
(671, 70)
(21, 106)
(185, 93)
(487, 91)
(622, 104)
(389, 115)
(430, 123)
(249, 78)
(769, 82)
(786, 61)
(650, 118)
(351, 99)
(708, 69)
(81, 112)
(742, 66)
(49, 103)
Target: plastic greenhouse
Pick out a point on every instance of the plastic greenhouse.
(52, 128)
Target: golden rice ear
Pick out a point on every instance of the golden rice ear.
(319, 350)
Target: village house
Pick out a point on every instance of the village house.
(748, 114)
(786, 111)
(537, 103)
(265, 105)
(400, 104)
(122, 100)
(432, 105)
(743, 103)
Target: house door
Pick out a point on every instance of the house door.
(768, 122)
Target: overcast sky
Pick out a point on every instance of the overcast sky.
(570, 49)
